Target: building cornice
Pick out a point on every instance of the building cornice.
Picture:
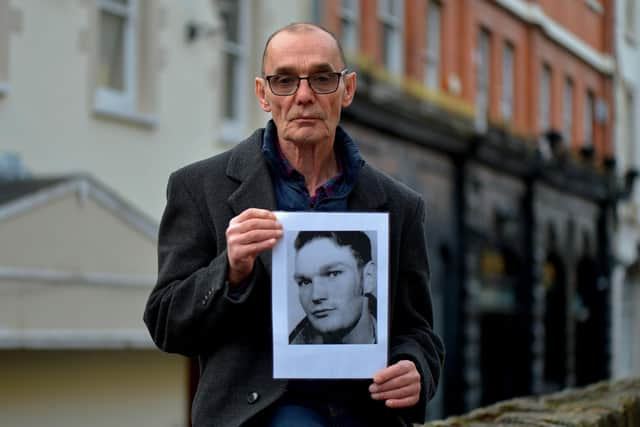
(533, 14)
(73, 277)
(75, 339)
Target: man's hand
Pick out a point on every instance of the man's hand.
(248, 234)
(398, 385)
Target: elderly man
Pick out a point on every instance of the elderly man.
(212, 298)
(335, 277)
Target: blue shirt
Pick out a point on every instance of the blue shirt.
(289, 186)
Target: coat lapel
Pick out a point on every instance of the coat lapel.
(368, 194)
(248, 166)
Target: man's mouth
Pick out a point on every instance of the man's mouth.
(321, 313)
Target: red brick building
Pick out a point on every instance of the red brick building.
(499, 112)
(531, 53)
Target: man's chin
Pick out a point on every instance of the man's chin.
(306, 135)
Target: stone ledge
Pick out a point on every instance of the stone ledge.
(604, 404)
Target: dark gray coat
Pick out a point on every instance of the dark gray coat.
(188, 311)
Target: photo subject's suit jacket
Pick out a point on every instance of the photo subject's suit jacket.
(189, 311)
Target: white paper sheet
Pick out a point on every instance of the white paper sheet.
(326, 360)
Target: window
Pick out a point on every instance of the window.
(234, 16)
(589, 104)
(432, 54)
(116, 77)
(630, 18)
(390, 13)
(506, 98)
(567, 111)
(349, 33)
(544, 113)
(483, 61)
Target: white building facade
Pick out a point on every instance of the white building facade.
(626, 276)
(131, 90)
(124, 91)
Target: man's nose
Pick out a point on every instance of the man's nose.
(319, 291)
(304, 93)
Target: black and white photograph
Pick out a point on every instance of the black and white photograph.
(330, 295)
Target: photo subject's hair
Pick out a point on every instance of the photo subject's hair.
(358, 241)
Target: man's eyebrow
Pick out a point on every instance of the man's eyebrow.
(298, 277)
(321, 67)
(328, 267)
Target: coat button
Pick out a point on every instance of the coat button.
(253, 397)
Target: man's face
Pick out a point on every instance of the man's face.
(304, 117)
(330, 285)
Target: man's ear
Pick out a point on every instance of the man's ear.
(260, 88)
(369, 281)
(349, 89)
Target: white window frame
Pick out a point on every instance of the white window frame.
(544, 111)
(233, 128)
(508, 81)
(567, 110)
(350, 26)
(483, 78)
(433, 51)
(394, 62)
(108, 99)
(588, 118)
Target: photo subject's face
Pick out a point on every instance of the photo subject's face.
(330, 285)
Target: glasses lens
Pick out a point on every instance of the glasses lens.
(282, 84)
(324, 82)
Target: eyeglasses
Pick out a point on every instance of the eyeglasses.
(321, 83)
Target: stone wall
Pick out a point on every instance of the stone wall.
(605, 404)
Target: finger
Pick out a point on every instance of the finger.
(408, 378)
(240, 253)
(253, 224)
(393, 371)
(255, 236)
(254, 213)
(402, 403)
(409, 390)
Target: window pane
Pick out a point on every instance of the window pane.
(390, 7)
(433, 45)
(507, 82)
(349, 30)
(230, 16)
(232, 69)
(111, 66)
(630, 129)
(545, 99)
(482, 79)
(348, 5)
(568, 111)
(588, 118)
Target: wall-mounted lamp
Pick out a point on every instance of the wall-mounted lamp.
(195, 30)
(587, 152)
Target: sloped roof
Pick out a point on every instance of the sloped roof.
(15, 189)
(23, 194)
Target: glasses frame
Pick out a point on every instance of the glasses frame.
(340, 75)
